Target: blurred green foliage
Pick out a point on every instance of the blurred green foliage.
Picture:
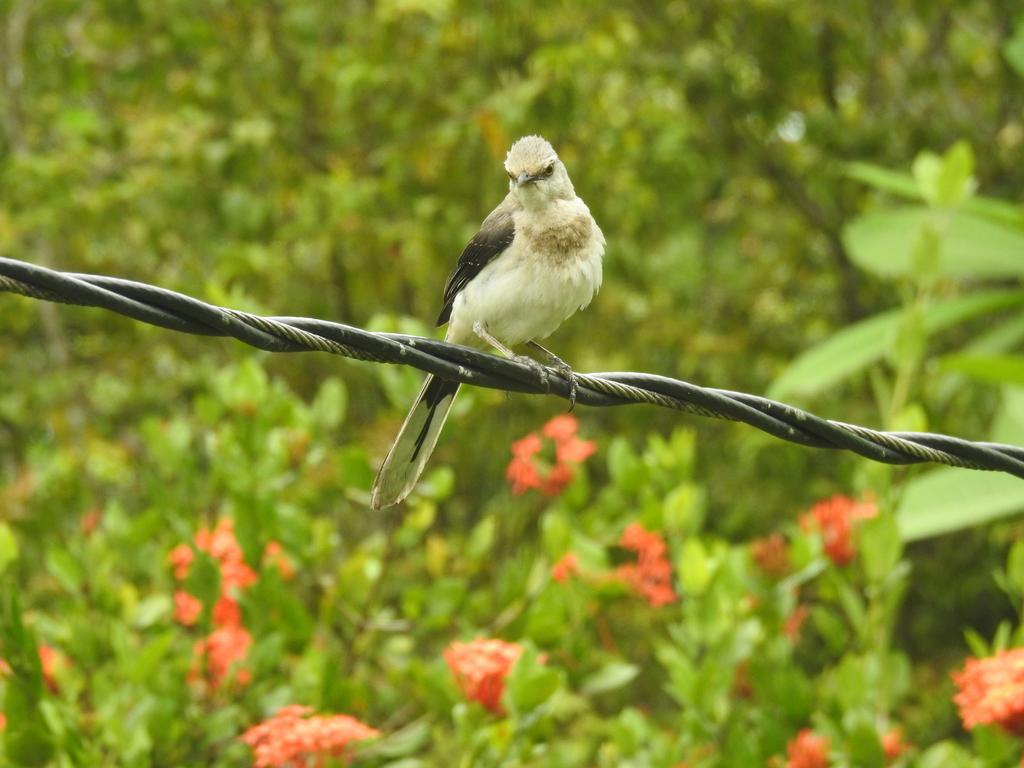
(817, 200)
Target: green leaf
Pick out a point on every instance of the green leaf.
(547, 621)
(950, 499)
(999, 338)
(330, 403)
(995, 747)
(694, 567)
(883, 242)
(1013, 49)
(203, 580)
(151, 610)
(903, 184)
(624, 466)
(556, 532)
(865, 746)
(859, 345)
(879, 539)
(1015, 567)
(63, 566)
(946, 754)
(884, 179)
(405, 741)
(353, 467)
(610, 677)
(481, 539)
(945, 181)
(995, 369)
(530, 683)
(8, 546)
(27, 744)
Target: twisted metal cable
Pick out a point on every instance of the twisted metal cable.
(178, 312)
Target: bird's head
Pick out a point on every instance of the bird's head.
(535, 174)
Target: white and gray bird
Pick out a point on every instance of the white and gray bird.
(534, 262)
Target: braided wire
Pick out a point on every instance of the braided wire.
(178, 312)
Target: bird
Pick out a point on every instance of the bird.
(536, 260)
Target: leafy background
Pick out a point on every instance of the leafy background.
(819, 202)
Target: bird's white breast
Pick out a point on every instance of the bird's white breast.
(551, 269)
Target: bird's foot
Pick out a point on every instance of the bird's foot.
(559, 366)
(533, 365)
(562, 368)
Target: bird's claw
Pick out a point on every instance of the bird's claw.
(562, 368)
(559, 367)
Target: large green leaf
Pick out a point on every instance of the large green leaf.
(903, 184)
(857, 346)
(996, 369)
(950, 499)
(883, 242)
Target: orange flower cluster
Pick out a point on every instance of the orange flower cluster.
(294, 737)
(480, 667)
(991, 691)
(834, 518)
(229, 643)
(807, 750)
(651, 575)
(186, 608)
(527, 469)
(222, 649)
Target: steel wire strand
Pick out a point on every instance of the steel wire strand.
(176, 311)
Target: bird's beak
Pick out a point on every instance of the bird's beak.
(525, 178)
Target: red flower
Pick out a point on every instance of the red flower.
(522, 474)
(528, 469)
(561, 428)
(235, 574)
(222, 652)
(834, 517)
(527, 446)
(226, 612)
(566, 567)
(220, 543)
(293, 738)
(557, 479)
(186, 608)
(574, 451)
(181, 558)
(807, 750)
(480, 668)
(651, 576)
(638, 539)
(771, 554)
(3, 722)
(893, 744)
(991, 691)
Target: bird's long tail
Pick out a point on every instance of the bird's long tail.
(415, 442)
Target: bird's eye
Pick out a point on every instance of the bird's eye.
(511, 175)
(549, 170)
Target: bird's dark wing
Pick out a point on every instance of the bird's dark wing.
(495, 236)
